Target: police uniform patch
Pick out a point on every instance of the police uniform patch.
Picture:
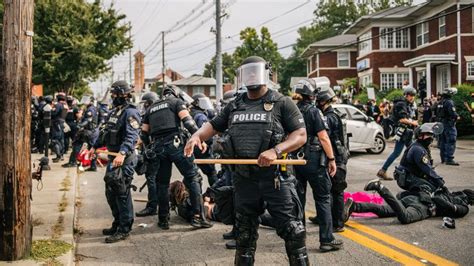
(268, 106)
(133, 122)
(89, 113)
(425, 159)
(454, 109)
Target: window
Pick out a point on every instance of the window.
(392, 38)
(308, 70)
(442, 27)
(212, 91)
(198, 89)
(422, 33)
(365, 43)
(343, 59)
(470, 70)
(393, 80)
(366, 80)
(356, 114)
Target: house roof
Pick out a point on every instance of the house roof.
(335, 41)
(401, 13)
(195, 80)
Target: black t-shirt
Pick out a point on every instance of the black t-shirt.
(177, 105)
(288, 114)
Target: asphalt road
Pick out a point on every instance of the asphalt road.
(368, 241)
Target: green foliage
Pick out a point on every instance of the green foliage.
(228, 71)
(73, 40)
(362, 97)
(392, 95)
(464, 126)
(350, 82)
(48, 249)
(260, 45)
(335, 17)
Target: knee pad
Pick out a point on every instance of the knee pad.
(294, 234)
(247, 231)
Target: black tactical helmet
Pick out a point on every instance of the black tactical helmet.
(149, 98)
(449, 91)
(409, 91)
(61, 97)
(325, 94)
(196, 98)
(306, 87)
(120, 87)
(170, 89)
(48, 99)
(429, 128)
(228, 96)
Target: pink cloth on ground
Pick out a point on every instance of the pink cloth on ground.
(366, 198)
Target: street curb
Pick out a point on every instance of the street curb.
(69, 218)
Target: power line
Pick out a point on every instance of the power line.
(152, 14)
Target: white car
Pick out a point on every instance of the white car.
(364, 133)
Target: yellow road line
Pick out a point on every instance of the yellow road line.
(381, 249)
(414, 250)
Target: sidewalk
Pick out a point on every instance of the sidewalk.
(52, 209)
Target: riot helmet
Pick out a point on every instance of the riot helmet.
(409, 91)
(253, 73)
(149, 98)
(325, 94)
(170, 90)
(449, 91)
(435, 128)
(202, 101)
(228, 97)
(120, 87)
(305, 87)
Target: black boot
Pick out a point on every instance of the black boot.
(109, 231)
(348, 209)
(145, 212)
(118, 236)
(244, 256)
(373, 185)
(230, 235)
(163, 222)
(232, 244)
(298, 257)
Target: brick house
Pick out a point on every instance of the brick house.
(170, 76)
(197, 84)
(333, 58)
(407, 43)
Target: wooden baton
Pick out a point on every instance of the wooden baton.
(247, 161)
(107, 152)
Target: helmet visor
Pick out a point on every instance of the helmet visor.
(205, 103)
(185, 97)
(252, 74)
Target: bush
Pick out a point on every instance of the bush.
(393, 94)
(464, 126)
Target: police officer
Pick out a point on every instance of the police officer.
(90, 122)
(319, 155)
(152, 204)
(120, 135)
(256, 123)
(426, 195)
(199, 109)
(58, 116)
(338, 137)
(446, 114)
(45, 116)
(405, 121)
(35, 121)
(71, 121)
(103, 112)
(162, 123)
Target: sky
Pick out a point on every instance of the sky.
(190, 44)
(189, 47)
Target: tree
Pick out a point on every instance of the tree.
(262, 46)
(228, 71)
(73, 41)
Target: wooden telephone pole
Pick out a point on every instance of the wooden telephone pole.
(15, 117)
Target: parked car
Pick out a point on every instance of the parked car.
(364, 133)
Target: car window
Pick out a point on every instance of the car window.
(355, 114)
(341, 111)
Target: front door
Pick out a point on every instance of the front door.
(443, 77)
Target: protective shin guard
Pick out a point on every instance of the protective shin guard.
(299, 257)
(294, 235)
(247, 236)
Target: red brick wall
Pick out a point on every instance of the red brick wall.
(466, 20)
(328, 59)
(467, 48)
(375, 41)
(442, 47)
(353, 59)
(313, 63)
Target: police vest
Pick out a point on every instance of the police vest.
(253, 128)
(305, 111)
(410, 165)
(162, 119)
(70, 117)
(114, 128)
(339, 139)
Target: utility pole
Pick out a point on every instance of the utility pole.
(163, 57)
(219, 92)
(130, 52)
(15, 118)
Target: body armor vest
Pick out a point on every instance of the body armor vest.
(339, 140)
(162, 119)
(410, 166)
(70, 117)
(253, 128)
(113, 134)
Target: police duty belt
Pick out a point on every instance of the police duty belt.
(248, 161)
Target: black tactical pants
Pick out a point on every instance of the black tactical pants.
(165, 155)
(320, 183)
(120, 202)
(208, 169)
(408, 210)
(252, 196)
